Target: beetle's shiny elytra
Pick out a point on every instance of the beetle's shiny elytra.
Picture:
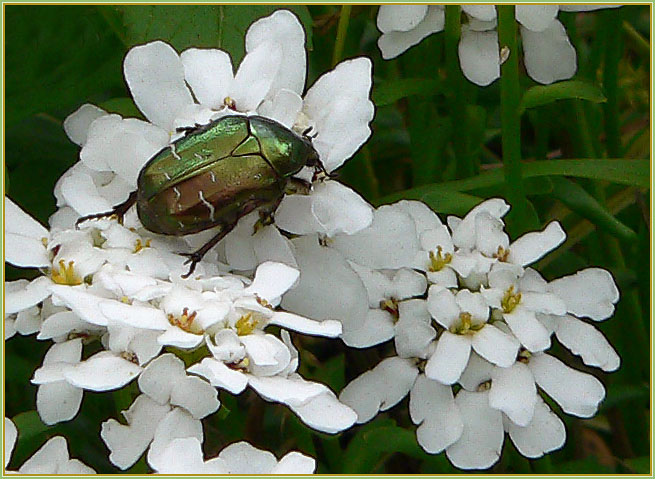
(216, 174)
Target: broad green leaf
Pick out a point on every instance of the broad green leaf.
(56, 58)
(577, 199)
(544, 94)
(201, 26)
(391, 91)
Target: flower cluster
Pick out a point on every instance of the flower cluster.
(470, 320)
(116, 289)
(548, 53)
(472, 352)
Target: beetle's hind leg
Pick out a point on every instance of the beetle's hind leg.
(118, 211)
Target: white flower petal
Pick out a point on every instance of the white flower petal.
(495, 346)
(532, 246)
(449, 359)
(587, 342)
(143, 317)
(464, 230)
(328, 328)
(295, 215)
(536, 17)
(272, 280)
(270, 245)
(58, 401)
(103, 371)
(485, 13)
(76, 125)
(479, 56)
(295, 463)
(489, 234)
(413, 331)
(590, 293)
(242, 458)
(220, 375)
(477, 372)
(257, 73)
(400, 17)
(196, 396)
(393, 43)
(283, 27)
(482, 438)
(513, 392)
(155, 76)
(338, 104)
(209, 74)
(389, 242)
(338, 209)
(11, 433)
(185, 456)
(380, 388)
(126, 443)
(23, 238)
(443, 306)
(179, 338)
(325, 413)
(546, 432)
(578, 393)
(549, 55)
(376, 328)
(178, 423)
(161, 376)
(25, 295)
(527, 329)
(474, 304)
(290, 391)
(432, 407)
(328, 288)
(283, 108)
(83, 304)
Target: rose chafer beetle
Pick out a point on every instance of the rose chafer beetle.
(216, 174)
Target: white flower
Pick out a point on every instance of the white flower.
(465, 318)
(549, 55)
(185, 456)
(51, 458)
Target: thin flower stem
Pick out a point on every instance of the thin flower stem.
(457, 98)
(510, 97)
(342, 31)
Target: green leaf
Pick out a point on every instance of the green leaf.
(56, 58)
(366, 450)
(573, 89)
(123, 106)
(391, 91)
(29, 425)
(578, 200)
(439, 200)
(627, 172)
(201, 26)
(639, 465)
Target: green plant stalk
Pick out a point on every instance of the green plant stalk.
(613, 50)
(510, 98)
(342, 31)
(640, 43)
(456, 97)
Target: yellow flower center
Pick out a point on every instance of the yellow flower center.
(185, 321)
(229, 102)
(390, 306)
(139, 245)
(510, 300)
(438, 260)
(465, 325)
(502, 254)
(66, 274)
(246, 324)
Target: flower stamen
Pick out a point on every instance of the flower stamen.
(438, 260)
(139, 245)
(246, 324)
(510, 300)
(185, 321)
(65, 274)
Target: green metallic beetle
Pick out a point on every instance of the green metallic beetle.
(216, 174)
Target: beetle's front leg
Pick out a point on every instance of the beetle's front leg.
(119, 210)
(195, 257)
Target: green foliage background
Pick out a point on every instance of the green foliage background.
(584, 146)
